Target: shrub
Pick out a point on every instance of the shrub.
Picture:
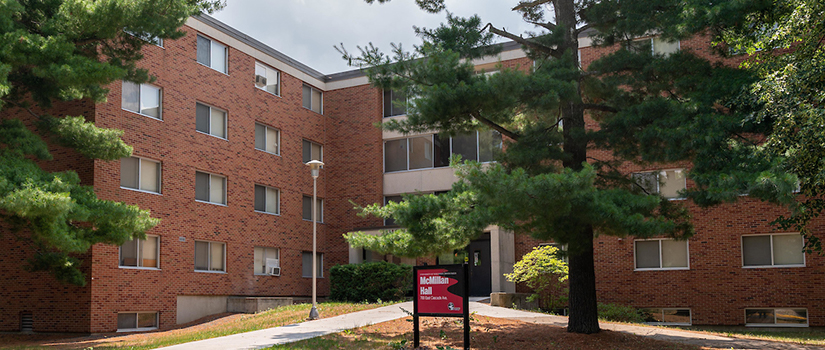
(545, 273)
(620, 313)
(370, 282)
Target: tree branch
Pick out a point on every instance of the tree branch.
(521, 40)
(598, 107)
(582, 29)
(530, 4)
(548, 25)
(496, 127)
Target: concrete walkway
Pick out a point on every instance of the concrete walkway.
(310, 329)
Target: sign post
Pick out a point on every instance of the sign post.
(441, 291)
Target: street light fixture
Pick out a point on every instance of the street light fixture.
(315, 170)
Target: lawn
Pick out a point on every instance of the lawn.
(215, 326)
(805, 336)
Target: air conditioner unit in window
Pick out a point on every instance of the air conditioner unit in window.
(273, 267)
(260, 81)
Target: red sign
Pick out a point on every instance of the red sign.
(440, 290)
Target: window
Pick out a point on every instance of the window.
(775, 250)
(425, 152)
(267, 139)
(140, 252)
(267, 79)
(656, 45)
(661, 254)
(212, 54)
(666, 316)
(210, 120)
(313, 99)
(267, 199)
(141, 98)
(667, 183)
(395, 103)
(312, 151)
(561, 252)
(780, 317)
(136, 321)
(264, 256)
(210, 256)
(307, 203)
(140, 174)
(210, 188)
(387, 199)
(306, 268)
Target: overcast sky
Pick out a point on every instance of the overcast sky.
(307, 30)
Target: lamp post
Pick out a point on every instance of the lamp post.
(315, 169)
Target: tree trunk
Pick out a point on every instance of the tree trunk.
(584, 315)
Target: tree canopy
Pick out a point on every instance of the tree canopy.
(64, 50)
(558, 178)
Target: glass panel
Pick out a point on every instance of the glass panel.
(489, 142)
(202, 256)
(765, 316)
(218, 57)
(259, 261)
(465, 145)
(260, 76)
(652, 315)
(317, 98)
(399, 103)
(260, 198)
(307, 96)
(201, 186)
(441, 145)
(307, 208)
(388, 103)
(395, 155)
(671, 182)
(260, 137)
(216, 257)
(203, 50)
(128, 253)
(129, 172)
(272, 200)
(149, 179)
(272, 79)
(421, 152)
(756, 250)
(202, 118)
(648, 181)
(662, 47)
(320, 209)
(307, 151)
(130, 96)
(149, 252)
(787, 250)
(320, 264)
(317, 152)
(218, 127)
(306, 264)
(150, 101)
(674, 253)
(647, 254)
(792, 316)
(147, 320)
(217, 189)
(272, 140)
(677, 316)
(126, 321)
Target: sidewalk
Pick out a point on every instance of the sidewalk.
(310, 329)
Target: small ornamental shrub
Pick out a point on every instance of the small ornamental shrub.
(545, 273)
(620, 313)
(370, 282)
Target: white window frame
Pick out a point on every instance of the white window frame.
(139, 260)
(139, 329)
(310, 98)
(658, 181)
(774, 324)
(225, 121)
(140, 87)
(320, 210)
(209, 257)
(160, 177)
(263, 258)
(278, 153)
(209, 189)
(773, 265)
(660, 268)
(432, 141)
(266, 71)
(663, 309)
(278, 212)
(320, 257)
(212, 44)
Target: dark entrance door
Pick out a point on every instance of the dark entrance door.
(480, 266)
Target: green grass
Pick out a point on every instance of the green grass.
(272, 318)
(805, 336)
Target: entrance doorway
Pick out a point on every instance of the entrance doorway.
(477, 254)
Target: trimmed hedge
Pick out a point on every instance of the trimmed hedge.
(369, 282)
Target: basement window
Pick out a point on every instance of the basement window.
(779, 317)
(137, 321)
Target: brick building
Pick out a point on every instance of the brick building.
(219, 141)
